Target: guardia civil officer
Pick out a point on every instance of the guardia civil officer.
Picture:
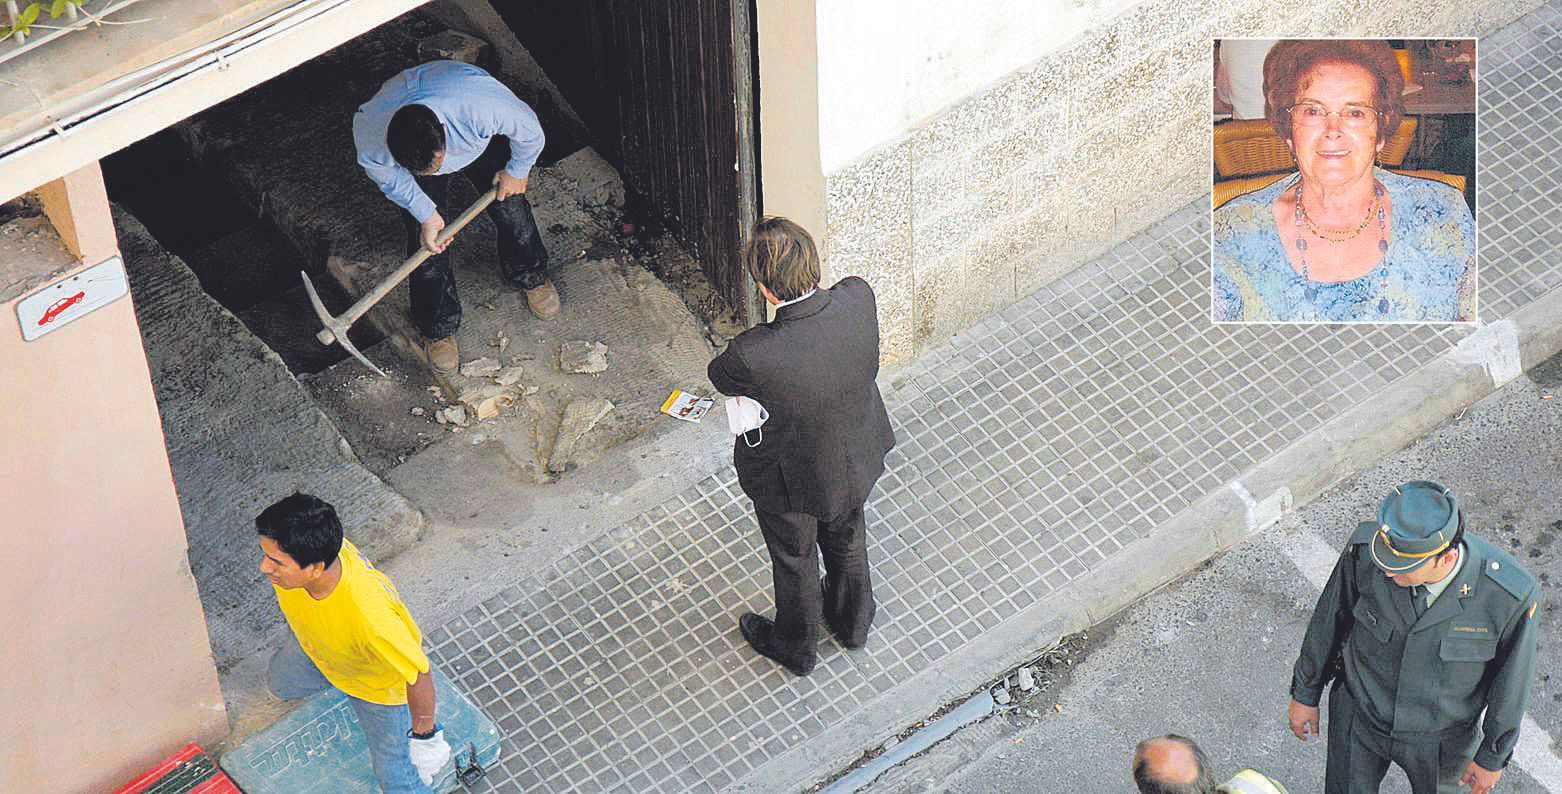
(1420, 628)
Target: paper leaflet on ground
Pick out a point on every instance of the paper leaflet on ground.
(688, 407)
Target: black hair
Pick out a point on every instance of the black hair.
(305, 527)
(1148, 783)
(415, 136)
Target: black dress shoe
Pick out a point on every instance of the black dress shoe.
(756, 630)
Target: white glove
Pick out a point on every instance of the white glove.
(429, 756)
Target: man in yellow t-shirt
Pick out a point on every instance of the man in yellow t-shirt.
(352, 632)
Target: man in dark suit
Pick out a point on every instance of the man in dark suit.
(822, 448)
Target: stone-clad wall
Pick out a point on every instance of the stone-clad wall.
(1011, 188)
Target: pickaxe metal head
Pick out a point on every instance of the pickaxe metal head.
(335, 330)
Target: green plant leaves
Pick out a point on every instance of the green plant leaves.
(24, 22)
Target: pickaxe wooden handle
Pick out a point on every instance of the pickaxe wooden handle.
(336, 327)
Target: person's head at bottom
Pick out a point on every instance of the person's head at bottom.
(300, 537)
(781, 257)
(1172, 764)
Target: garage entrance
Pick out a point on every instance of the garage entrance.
(642, 198)
(666, 92)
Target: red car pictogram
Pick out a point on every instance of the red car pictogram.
(58, 308)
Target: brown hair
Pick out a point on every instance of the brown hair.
(1288, 70)
(781, 256)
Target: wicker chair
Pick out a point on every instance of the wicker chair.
(1250, 146)
(1228, 189)
(1246, 147)
(1455, 180)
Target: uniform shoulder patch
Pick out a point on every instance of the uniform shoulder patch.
(1501, 568)
(1364, 532)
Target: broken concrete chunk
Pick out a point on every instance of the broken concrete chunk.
(1027, 680)
(417, 410)
(509, 376)
(485, 367)
(454, 415)
(598, 185)
(485, 402)
(489, 408)
(1001, 696)
(579, 417)
(582, 357)
(451, 45)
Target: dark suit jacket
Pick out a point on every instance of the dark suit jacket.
(812, 368)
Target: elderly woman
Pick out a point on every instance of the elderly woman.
(1340, 240)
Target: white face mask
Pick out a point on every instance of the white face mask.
(745, 415)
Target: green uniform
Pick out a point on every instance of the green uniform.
(1410, 690)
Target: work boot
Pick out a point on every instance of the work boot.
(543, 300)
(443, 354)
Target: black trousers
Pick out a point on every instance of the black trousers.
(796, 542)
(1359, 755)
(436, 309)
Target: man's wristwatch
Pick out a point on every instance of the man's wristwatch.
(411, 734)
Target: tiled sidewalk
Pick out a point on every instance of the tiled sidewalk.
(1032, 448)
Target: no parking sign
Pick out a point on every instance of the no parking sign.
(72, 298)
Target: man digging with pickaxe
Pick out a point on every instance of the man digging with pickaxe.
(425, 126)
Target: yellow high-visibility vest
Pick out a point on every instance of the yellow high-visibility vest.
(1250, 781)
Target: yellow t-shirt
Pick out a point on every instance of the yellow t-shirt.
(360, 636)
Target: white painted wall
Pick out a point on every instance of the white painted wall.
(885, 66)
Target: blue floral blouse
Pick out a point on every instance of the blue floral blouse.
(1430, 260)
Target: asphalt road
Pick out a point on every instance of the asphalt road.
(1210, 656)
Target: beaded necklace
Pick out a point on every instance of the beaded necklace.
(1334, 235)
(1305, 224)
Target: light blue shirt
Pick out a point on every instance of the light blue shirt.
(1429, 267)
(472, 106)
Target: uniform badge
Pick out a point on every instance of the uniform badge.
(1464, 590)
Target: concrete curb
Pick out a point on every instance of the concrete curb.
(1401, 412)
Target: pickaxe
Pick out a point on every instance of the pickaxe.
(336, 327)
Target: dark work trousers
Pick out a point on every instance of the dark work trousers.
(436, 309)
(1359, 755)
(795, 541)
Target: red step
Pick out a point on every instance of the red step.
(189, 771)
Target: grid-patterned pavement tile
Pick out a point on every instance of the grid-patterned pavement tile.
(1032, 447)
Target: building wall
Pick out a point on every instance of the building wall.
(955, 214)
(908, 60)
(108, 666)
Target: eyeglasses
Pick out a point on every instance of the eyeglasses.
(1312, 114)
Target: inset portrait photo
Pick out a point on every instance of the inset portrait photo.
(1344, 181)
